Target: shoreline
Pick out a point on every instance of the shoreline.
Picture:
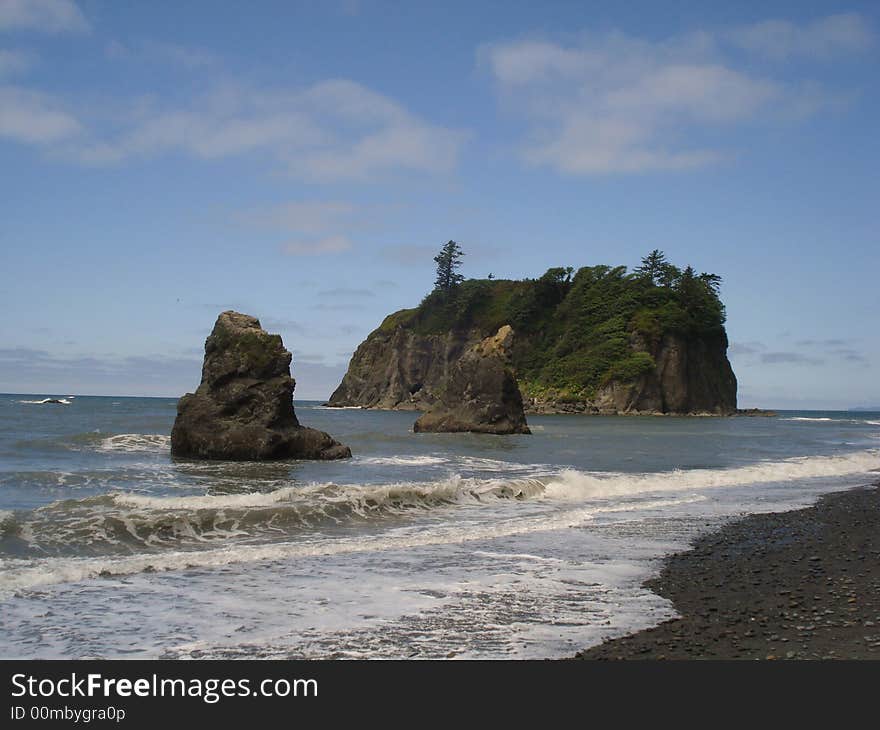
(803, 584)
(739, 413)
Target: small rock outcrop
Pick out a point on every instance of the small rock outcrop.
(481, 393)
(243, 408)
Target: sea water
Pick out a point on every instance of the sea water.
(421, 545)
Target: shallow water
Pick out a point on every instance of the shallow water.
(423, 545)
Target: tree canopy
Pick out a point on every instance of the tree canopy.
(576, 329)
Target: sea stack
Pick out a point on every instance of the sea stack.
(243, 408)
(481, 393)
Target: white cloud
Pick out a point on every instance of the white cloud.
(222, 124)
(822, 38)
(389, 136)
(705, 92)
(47, 16)
(611, 103)
(330, 244)
(321, 226)
(33, 118)
(333, 130)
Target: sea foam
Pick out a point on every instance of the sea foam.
(18, 575)
(135, 442)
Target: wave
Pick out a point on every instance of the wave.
(170, 533)
(57, 401)
(465, 463)
(18, 575)
(403, 460)
(577, 485)
(823, 419)
(121, 521)
(100, 441)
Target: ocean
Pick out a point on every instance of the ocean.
(420, 546)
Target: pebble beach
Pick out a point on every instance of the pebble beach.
(797, 585)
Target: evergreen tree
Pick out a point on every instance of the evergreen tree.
(669, 276)
(688, 288)
(448, 262)
(712, 282)
(652, 267)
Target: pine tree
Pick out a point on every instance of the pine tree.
(669, 276)
(712, 282)
(448, 262)
(652, 267)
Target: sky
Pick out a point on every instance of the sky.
(304, 161)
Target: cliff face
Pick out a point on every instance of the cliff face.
(691, 378)
(602, 341)
(400, 369)
(481, 394)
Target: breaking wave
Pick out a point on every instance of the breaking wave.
(124, 521)
(824, 419)
(577, 485)
(57, 401)
(21, 575)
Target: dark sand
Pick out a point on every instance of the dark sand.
(791, 585)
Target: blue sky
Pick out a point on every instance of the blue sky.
(303, 161)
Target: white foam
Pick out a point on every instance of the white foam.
(831, 420)
(204, 517)
(403, 460)
(136, 442)
(453, 490)
(572, 485)
(478, 463)
(55, 401)
(18, 575)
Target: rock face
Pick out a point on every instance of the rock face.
(401, 369)
(692, 377)
(243, 408)
(480, 394)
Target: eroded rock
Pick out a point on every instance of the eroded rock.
(243, 408)
(481, 393)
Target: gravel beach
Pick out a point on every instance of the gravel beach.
(793, 585)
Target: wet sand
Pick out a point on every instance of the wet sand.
(791, 585)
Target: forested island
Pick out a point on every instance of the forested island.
(599, 339)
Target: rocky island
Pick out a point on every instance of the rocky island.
(481, 394)
(597, 340)
(243, 408)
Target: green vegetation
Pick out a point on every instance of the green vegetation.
(578, 330)
(255, 350)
